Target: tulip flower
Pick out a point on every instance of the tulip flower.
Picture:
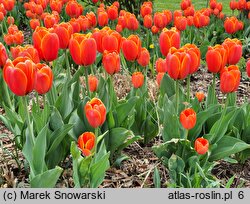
(161, 65)
(201, 145)
(102, 18)
(146, 9)
(137, 79)
(82, 49)
(180, 23)
(248, 67)
(188, 118)
(111, 62)
(20, 75)
(169, 38)
(56, 5)
(232, 25)
(131, 47)
(233, 5)
(144, 57)
(229, 79)
(86, 143)
(160, 20)
(178, 64)
(234, 50)
(92, 19)
(3, 55)
(195, 55)
(34, 23)
(95, 112)
(147, 21)
(10, 20)
(93, 83)
(27, 51)
(216, 58)
(73, 9)
(111, 41)
(159, 77)
(44, 78)
(64, 32)
(46, 43)
(200, 96)
(8, 4)
(112, 12)
(132, 22)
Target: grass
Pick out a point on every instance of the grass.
(160, 5)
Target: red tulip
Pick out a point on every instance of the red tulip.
(137, 79)
(95, 112)
(144, 57)
(111, 41)
(92, 18)
(201, 145)
(188, 118)
(195, 55)
(34, 23)
(112, 12)
(132, 22)
(248, 67)
(73, 9)
(234, 50)
(160, 20)
(3, 55)
(102, 18)
(216, 58)
(229, 79)
(178, 64)
(93, 83)
(64, 32)
(111, 62)
(180, 23)
(146, 9)
(8, 4)
(20, 75)
(159, 77)
(10, 20)
(86, 143)
(147, 21)
(168, 39)
(131, 47)
(44, 78)
(161, 65)
(56, 5)
(46, 43)
(233, 5)
(82, 49)
(27, 51)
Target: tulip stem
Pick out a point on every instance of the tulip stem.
(87, 80)
(188, 88)
(28, 120)
(214, 77)
(96, 136)
(67, 64)
(177, 95)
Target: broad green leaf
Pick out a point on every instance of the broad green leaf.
(76, 155)
(47, 179)
(157, 178)
(56, 120)
(167, 86)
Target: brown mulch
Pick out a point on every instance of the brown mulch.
(137, 171)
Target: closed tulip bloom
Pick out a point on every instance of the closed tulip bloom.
(34, 23)
(50, 20)
(200, 96)
(201, 145)
(93, 83)
(86, 143)
(73, 9)
(111, 62)
(180, 23)
(75, 25)
(44, 78)
(248, 67)
(56, 5)
(84, 23)
(112, 12)
(1, 16)
(195, 55)
(131, 47)
(95, 112)
(132, 22)
(82, 49)
(92, 18)
(10, 20)
(20, 75)
(146, 10)
(102, 18)
(144, 57)
(188, 118)
(178, 64)
(3, 55)
(64, 32)
(8, 4)
(233, 5)
(216, 58)
(161, 65)
(234, 50)
(148, 21)
(169, 38)
(137, 79)
(46, 43)
(185, 4)
(159, 77)
(160, 20)
(229, 79)
(154, 29)
(111, 41)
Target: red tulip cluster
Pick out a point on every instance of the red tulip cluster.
(216, 8)
(232, 25)
(162, 19)
(35, 9)
(239, 5)
(127, 20)
(14, 36)
(110, 13)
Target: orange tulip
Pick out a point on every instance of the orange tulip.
(44, 78)
(159, 77)
(56, 5)
(92, 18)
(169, 38)
(233, 5)
(200, 96)
(160, 20)
(148, 21)
(84, 23)
(34, 23)
(46, 43)
(8, 4)
(1, 16)
(161, 65)
(146, 9)
(188, 118)
(178, 63)
(154, 29)
(195, 55)
(75, 25)
(82, 49)
(185, 4)
(234, 50)
(112, 12)
(131, 47)
(200, 20)
(131, 22)
(137, 79)
(10, 20)
(95, 112)
(201, 145)
(180, 23)
(64, 32)
(73, 9)
(248, 67)
(3, 55)
(111, 41)
(232, 25)
(93, 83)
(102, 18)
(111, 62)
(216, 58)
(229, 79)
(86, 143)
(20, 75)
(27, 51)
(144, 57)
(50, 20)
